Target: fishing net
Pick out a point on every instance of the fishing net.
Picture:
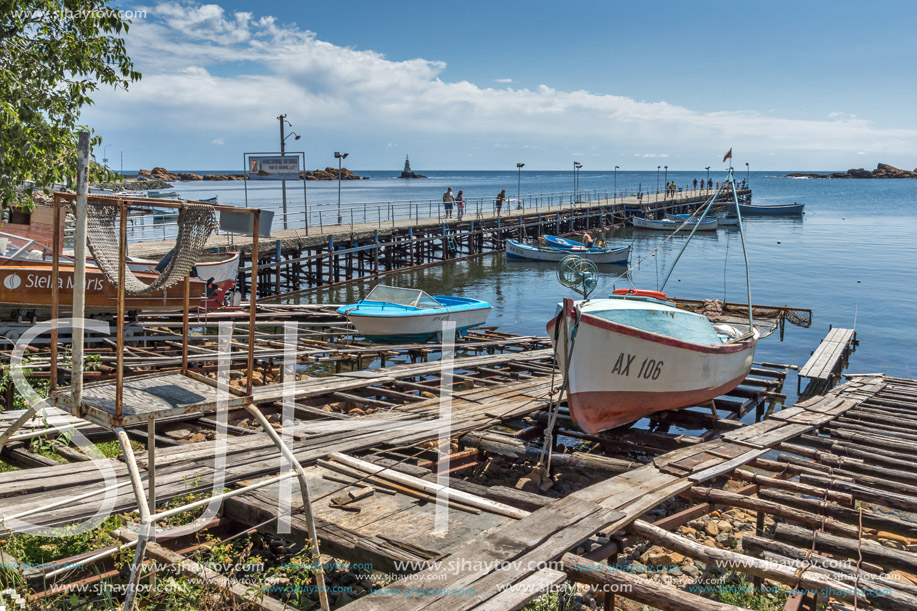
(195, 223)
(714, 309)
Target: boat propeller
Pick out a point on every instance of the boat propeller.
(578, 274)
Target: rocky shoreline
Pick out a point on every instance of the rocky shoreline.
(883, 170)
(162, 174)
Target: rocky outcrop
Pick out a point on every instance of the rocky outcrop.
(411, 175)
(883, 170)
(331, 174)
(162, 174)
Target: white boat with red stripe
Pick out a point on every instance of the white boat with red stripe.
(634, 354)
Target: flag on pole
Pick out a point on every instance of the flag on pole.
(728, 155)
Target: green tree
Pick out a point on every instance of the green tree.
(53, 55)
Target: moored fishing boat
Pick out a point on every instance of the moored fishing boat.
(633, 354)
(772, 210)
(708, 224)
(392, 314)
(518, 250)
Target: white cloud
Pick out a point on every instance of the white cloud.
(217, 141)
(205, 69)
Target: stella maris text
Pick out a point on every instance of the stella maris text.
(42, 281)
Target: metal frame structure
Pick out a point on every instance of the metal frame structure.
(116, 420)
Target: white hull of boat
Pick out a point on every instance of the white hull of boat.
(709, 224)
(619, 374)
(417, 327)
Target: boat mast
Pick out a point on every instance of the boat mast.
(735, 199)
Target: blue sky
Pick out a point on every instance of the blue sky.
(482, 85)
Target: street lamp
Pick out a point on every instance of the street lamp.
(614, 195)
(340, 157)
(519, 167)
(708, 176)
(576, 166)
(666, 179)
(283, 183)
(657, 182)
(105, 155)
(747, 173)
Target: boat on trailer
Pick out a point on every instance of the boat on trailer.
(391, 314)
(634, 353)
(518, 250)
(667, 224)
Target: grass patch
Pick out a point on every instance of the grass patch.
(739, 593)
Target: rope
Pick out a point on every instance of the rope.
(636, 265)
(195, 223)
(547, 449)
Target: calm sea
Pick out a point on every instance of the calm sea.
(851, 258)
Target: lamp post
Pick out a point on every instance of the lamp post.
(340, 157)
(708, 176)
(576, 167)
(519, 167)
(614, 195)
(283, 183)
(105, 155)
(666, 179)
(657, 182)
(747, 173)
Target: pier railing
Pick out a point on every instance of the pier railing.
(326, 216)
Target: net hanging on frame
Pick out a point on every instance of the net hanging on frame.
(195, 223)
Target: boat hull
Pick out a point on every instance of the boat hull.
(420, 327)
(516, 250)
(779, 210)
(27, 286)
(619, 374)
(670, 225)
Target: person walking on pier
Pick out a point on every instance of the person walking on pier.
(499, 202)
(448, 200)
(459, 206)
(695, 184)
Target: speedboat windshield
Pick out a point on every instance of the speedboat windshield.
(414, 298)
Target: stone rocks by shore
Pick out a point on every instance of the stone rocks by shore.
(883, 170)
(162, 174)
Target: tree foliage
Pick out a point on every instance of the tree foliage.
(53, 55)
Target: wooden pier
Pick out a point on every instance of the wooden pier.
(824, 366)
(290, 261)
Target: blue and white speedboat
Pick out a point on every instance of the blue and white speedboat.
(390, 314)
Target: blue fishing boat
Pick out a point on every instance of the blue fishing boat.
(708, 224)
(518, 250)
(391, 314)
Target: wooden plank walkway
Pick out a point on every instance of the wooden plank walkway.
(319, 235)
(608, 507)
(825, 363)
